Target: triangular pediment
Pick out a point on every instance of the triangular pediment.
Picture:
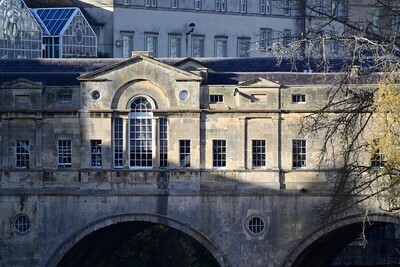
(22, 83)
(259, 82)
(102, 74)
(191, 64)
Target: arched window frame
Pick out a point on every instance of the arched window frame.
(141, 133)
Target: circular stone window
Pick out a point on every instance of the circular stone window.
(95, 95)
(255, 225)
(183, 95)
(22, 224)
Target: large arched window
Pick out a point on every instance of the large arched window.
(141, 133)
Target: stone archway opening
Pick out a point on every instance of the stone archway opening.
(97, 243)
(326, 246)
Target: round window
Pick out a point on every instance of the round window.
(22, 224)
(183, 95)
(255, 225)
(95, 95)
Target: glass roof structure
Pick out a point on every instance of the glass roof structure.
(66, 33)
(53, 20)
(20, 34)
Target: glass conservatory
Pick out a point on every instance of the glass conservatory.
(20, 34)
(66, 33)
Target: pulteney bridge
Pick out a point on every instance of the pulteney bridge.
(214, 153)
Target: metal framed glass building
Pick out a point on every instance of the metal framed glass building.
(20, 34)
(66, 33)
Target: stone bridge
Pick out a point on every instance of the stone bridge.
(216, 154)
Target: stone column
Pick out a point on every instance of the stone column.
(5, 140)
(39, 141)
(242, 148)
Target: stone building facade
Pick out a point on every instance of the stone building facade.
(211, 148)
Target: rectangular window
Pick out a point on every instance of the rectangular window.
(396, 21)
(223, 5)
(219, 153)
(262, 6)
(184, 153)
(258, 151)
(175, 46)
(95, 153)
(163, 141)
(118, 143)
(64, 153)
(335, 8)
(287, 8)
(127, 2)
(268, 7)
(65, 98)
(151, 43)
(265, 38)
(298, 98)
(214, 99)
(221, 45)
(287, 37)
(22, 154)
(151, 3)
(197, 4)
(127, 45)
(174, 4)
(377, 159)
(243, 47)
(197, 46)
(243, 6)
(217, 5)
(22, 100)
(375, 18)
(299, 155)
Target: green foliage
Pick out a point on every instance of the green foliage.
(161, 246)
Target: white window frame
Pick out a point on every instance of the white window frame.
(22, 153)
(216, 99)
(221, 43)
(377, 159)
(141, 134)
(96, 157)
(258, 151)
(197, 4)
(243, 41)
(287, 37)
(265, 37)
(268, 7)
(127, 2)
(127, 44)
(175, 40)
(223, 5)
(243, 6)
(298, 98)
(299, 153)
(287, 8)
(217, 5)
(64, 153)
(375, 18)
(174, 3)
(263, 7)
(396, 21)
(184, 153)
(151, 39)
(198, 45)
(219, 154)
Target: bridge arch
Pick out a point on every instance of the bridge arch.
(114, 231)
(319, 247)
